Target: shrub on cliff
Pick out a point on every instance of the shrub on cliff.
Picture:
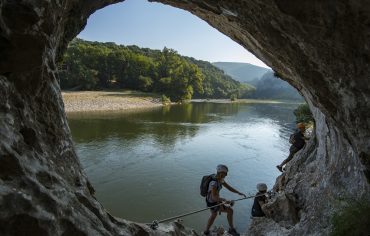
(303, 114)
(354, 219)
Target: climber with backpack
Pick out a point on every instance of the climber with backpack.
(298, 141)
(210, 189)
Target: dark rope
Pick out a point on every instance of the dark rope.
(155, 223)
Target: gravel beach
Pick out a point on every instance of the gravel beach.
(90, 101)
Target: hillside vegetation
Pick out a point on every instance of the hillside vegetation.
(267, 84)
(242, 72)
(95, 66)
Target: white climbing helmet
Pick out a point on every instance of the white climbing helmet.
(222, 168)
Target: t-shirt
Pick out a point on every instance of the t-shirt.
(256, 209)
(212, 184)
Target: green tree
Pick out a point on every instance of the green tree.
(145, 83)
(94, 65)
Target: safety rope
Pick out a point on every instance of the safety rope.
(154, 225)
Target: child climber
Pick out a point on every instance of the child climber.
(259, 201)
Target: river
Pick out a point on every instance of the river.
(148, 165)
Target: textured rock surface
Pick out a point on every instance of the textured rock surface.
(322, 174)
(266, 227)
(320, 47)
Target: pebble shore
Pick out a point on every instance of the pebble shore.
(90, 101)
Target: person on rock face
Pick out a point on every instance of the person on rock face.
(213, 198)
(259, 201)
(298, 141)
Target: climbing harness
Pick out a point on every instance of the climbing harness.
(154, 225)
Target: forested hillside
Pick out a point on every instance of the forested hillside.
(267, 85)
(217, 84)
(93, 66)
(242, 72)
(271, 87)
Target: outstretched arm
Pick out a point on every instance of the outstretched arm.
(231, 189)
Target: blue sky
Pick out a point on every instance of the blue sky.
(155, 25)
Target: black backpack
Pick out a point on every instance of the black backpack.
(205, 184)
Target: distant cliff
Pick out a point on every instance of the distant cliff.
(243, 72)
(271, 87)
(267, 85)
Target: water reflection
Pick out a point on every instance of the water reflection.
(163, 125)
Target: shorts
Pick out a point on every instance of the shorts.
(211, 204)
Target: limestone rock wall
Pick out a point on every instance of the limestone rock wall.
(317, 181)
(43, 190)
(320, 47)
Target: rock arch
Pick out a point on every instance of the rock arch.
(320, 47)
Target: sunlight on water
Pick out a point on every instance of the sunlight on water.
(148, 166)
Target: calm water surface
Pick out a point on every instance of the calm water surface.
(148, 165)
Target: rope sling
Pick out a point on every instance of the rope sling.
(154, 225)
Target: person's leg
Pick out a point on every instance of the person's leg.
(211, 219)
(230, 214)
(229, 211)
(290, 157)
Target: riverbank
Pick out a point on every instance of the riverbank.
(109, 101)
(254, 101)
(102, 101)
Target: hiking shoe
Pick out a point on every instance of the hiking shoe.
(279, 168)
(233, 232)
(206, 232)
